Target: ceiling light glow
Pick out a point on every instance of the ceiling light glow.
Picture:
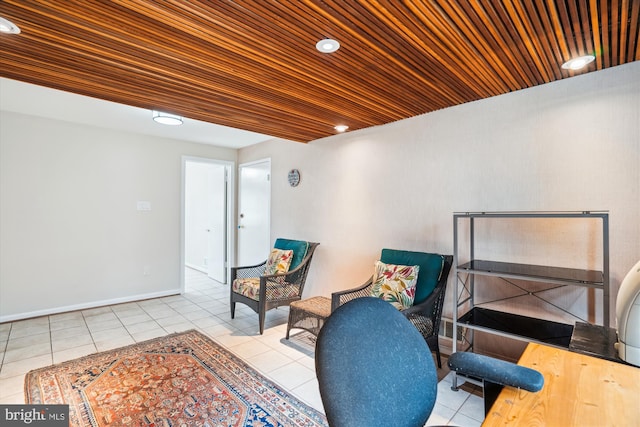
(166, 118)
(327, 45)
(8, 27)
(578, 63)
(341, 128)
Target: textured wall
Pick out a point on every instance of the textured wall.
(569, 145)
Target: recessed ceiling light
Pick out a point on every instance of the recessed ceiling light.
(327, 45)
(166, 118)
(8, 27)
(341, 128)
(578, 63)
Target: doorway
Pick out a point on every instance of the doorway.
(254, 207)
(206, 209)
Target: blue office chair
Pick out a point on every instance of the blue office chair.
(374, 368)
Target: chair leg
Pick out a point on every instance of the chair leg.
(261, 320)
(490, 392)
(434, 345)
(233, 309)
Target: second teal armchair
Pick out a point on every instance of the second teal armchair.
(426, 311)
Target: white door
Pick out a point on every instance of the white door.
(216, 231)
(254, 207)
(206, 216)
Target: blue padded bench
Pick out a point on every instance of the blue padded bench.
(494, 374)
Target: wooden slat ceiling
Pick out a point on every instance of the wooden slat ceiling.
(253, 64)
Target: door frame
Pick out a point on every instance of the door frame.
(229, 167)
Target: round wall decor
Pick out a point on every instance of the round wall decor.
(294, 177)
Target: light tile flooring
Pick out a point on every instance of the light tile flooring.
(42, 341)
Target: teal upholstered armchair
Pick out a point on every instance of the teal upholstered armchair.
(425, 311)
(277, 281)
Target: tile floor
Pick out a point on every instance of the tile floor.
(42, 341)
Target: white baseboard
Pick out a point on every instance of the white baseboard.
(84, 306)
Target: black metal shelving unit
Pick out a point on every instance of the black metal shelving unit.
(472, 317)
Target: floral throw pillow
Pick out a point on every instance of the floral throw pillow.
(278, 262)
(395, 283)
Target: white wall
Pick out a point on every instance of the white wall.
(569, 145)
(70, 234)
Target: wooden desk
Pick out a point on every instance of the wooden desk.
(578, 390)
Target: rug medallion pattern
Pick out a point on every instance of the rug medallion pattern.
(183, 379)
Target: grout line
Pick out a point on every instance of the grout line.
(6, 346)
(50, 338)
(93, 340)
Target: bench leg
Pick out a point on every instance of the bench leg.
(288, 329)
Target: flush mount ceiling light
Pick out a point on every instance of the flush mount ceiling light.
(327, 45)
(166, 118)
(578, 63)
(8, 27)
(341, 128)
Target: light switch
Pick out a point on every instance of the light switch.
(144, 206)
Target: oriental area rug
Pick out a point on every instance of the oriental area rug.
(183, 379)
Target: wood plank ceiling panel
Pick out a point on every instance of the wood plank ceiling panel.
(253, 64)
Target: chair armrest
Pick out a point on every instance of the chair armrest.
(426, 307)
(340, 297)
(241, 267)
(426, 315)
(496, 371)
(248, 271)
(273, 281)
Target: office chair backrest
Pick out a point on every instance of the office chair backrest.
(373, 367)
